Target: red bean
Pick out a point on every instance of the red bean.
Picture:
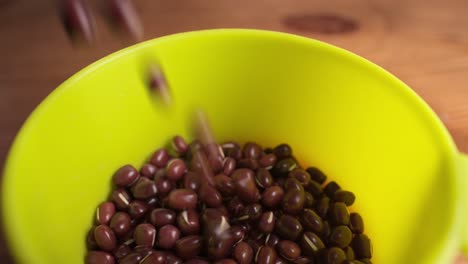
(243, 253)
(168, 236)
(120, 223)
(161, 217)
(125, 176)
(105, 212)
(99, 257)
(145, 235)
(244, 184)
(105, 238)
(183, 199)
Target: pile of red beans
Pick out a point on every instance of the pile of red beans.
(226, 204)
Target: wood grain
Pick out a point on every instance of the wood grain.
(424, 43)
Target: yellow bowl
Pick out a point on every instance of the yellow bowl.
(361, 125)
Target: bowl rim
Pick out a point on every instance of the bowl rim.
(18, 245)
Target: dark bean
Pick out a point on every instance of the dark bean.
(235, 153)
(243, 253)
(188, 222)
(280, 260)
(309, 200)
(235, 206)
(99, 257)
(224, 184)
(293, 201)
(163, 186)
(210, 196)
(161, 217)
(315, 189)
(349, 253)
(251, 212)
(160, 158)
(288, 227)
(248, 164)
(266, 255)
(255, 245)
(121, 251)
(256, 234)
(341, 236)
(303, 260)
(312, 221)
(179, 145)
(356, 223)
(282, 151)
(148, 170)
(237, 233)
(267, 161)
(144, 251)
(125, 176)
(219, 245)
(311, 244)
(137, 209)
(283, 167)
(173, 259)
(168, 236)
(331, 188)
(132, 258)
(344, 196)
(188, 247)
(267, 222)
(252, 150)
(175, 169)
(244, 184)
(272, 240)
(264, 178)
(272, 196)
(105, 238)
(317, 175)
(339, 214)
(334, 255)
(144, 188)
(226, 261)
(326, 230)
(145, 235)
(288, 249)
(90, 240)
(105, 212)
(292, 183)
(182, 199)
(197, 261)
(323, 206)
(120, 223)
(214, 222)
(77, 20)
(362, 246)
(301, 175)
(228, 145)
(229, 166)
(192, 181)
(156, 257)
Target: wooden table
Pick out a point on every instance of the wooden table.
(423, 42)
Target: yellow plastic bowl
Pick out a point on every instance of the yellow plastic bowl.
(361, 125)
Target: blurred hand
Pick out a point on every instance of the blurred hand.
(461, 260)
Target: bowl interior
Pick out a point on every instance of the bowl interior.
(359, 124)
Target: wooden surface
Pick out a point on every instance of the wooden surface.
(423, 42)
